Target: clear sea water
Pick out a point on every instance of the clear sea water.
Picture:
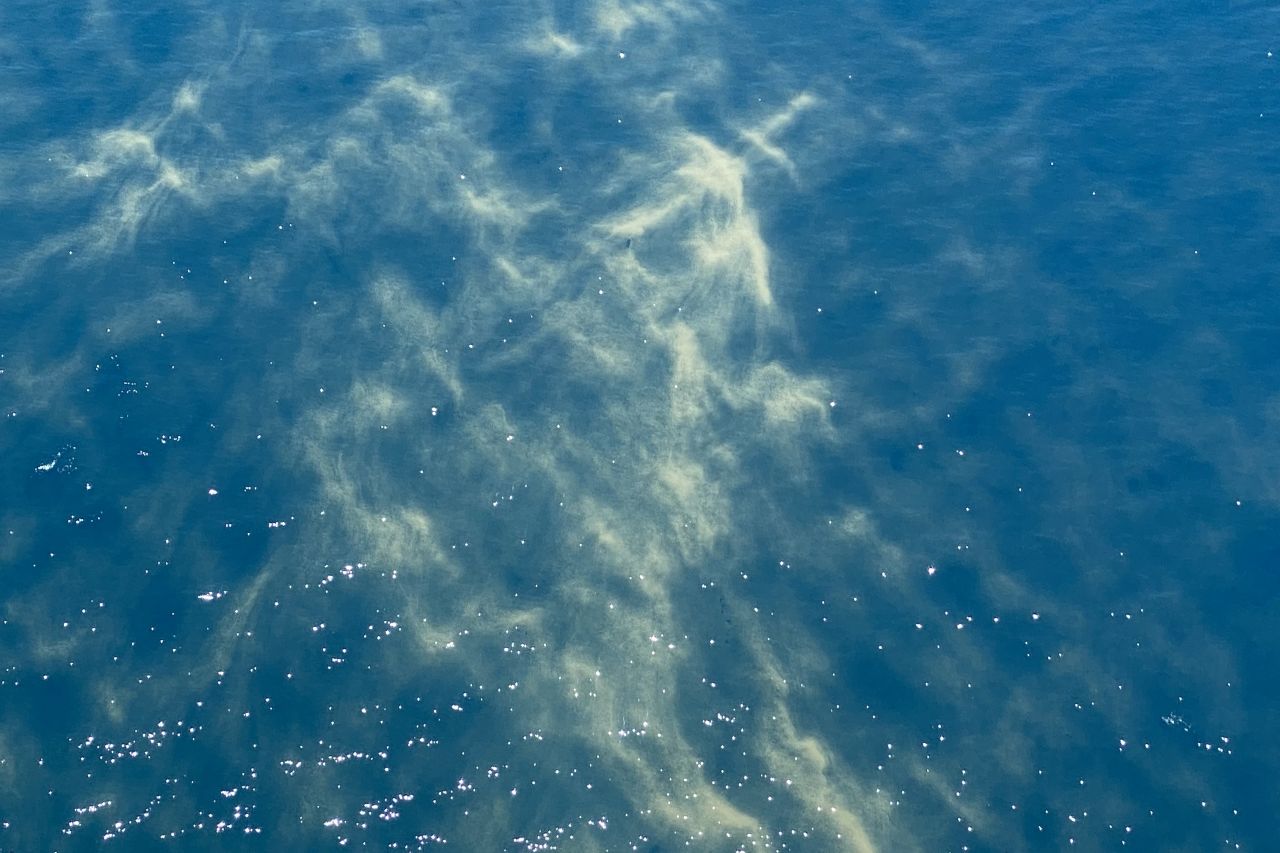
(639, 426)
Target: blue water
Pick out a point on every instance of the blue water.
(639, 426)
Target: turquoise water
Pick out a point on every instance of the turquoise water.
(638, 426)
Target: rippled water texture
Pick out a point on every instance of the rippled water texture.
(638, 426)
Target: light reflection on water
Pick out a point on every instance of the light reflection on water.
(648, 427)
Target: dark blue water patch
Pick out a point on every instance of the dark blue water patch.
(154, 32)
(537, 151)
(77, 49)
(42, 64)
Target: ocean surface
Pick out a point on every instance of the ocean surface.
(639, 425)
